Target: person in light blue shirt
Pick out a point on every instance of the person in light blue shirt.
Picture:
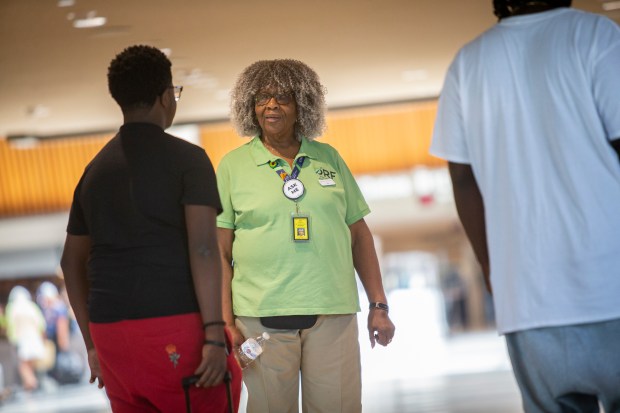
(529, 120)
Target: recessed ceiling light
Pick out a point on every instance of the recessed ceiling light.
(38, 111)
(91, 20)
(611, 5)
(196, 77)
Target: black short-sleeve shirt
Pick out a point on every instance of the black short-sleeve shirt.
(130, 201)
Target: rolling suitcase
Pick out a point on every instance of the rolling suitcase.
(186, 382)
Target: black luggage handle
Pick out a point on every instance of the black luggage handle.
(191, 380)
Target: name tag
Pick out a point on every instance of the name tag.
(301, 228)
(327, 182)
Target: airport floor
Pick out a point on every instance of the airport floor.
(464, 373)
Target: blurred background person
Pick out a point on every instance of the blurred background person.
(76, 342)
(56, 315)
(68, 364)
(454, 292)
(26, 330)
(9, 367)
(293, 225)
(529, 120)
(2, 322)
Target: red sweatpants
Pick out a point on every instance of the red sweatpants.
(143, 362)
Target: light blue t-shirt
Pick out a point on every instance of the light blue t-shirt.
(531, 105)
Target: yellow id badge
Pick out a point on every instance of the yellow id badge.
(301, 228)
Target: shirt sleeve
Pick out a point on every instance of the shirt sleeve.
(449, 140)
(199, 182)
(357, 208)
(606, 83)
(77, 223)
(226, 219)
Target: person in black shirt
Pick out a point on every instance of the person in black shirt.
(141, 261)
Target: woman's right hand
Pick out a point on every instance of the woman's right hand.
(235, 335)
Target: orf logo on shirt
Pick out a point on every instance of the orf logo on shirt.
(325, 174)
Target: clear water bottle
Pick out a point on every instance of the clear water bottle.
(251, 349)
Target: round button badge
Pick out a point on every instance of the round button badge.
(293, 188)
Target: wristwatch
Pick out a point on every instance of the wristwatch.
(380, 306)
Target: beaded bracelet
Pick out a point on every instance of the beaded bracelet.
(215, 343)
(214, 323)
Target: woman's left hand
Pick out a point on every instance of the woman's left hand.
(380, 328)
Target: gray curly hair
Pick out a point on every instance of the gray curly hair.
(286, 76)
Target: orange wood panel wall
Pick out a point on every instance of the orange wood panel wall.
(384, 138)
(41, 179)
(218, 139)
(371, 140)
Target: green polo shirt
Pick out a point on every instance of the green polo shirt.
(273, 275)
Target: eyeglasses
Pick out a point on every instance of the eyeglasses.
(177, 92)
(262, 99)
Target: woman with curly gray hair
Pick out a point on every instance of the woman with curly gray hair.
(293, 225)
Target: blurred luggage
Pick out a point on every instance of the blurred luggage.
(69, 368)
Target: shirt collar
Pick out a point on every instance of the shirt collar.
(524, 19)
(140, 126)
(262, 156)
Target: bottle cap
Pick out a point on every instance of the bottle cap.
(266, 335)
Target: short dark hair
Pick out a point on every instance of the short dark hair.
(507, 8)
(137, 75)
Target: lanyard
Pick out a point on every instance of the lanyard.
(294, 173)
(293, 188)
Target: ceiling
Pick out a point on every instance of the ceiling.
(53, 76)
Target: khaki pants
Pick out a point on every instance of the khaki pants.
(326, 357)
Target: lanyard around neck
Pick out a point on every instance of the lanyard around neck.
(294, 173)
(293, 188)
